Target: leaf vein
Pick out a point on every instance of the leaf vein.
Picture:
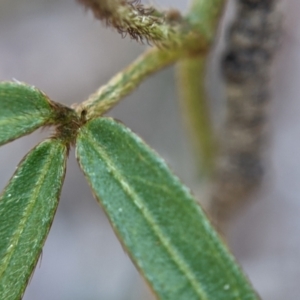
(18, 232)
(176, 257)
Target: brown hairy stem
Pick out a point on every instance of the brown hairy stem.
(132, 18)
(252, 43)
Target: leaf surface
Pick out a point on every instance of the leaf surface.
(27, 208)
(23, 109)
(164, 231)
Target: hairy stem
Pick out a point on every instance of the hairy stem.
(252, 43)
(126, 81)
(139, 22)
(186, 36)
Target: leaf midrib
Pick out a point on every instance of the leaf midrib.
(9, 120)
(18, 232)
(176, 257)
(211, 241)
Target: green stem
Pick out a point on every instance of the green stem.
(126, 81)
(205, 15)
(192, 89)
(203, 19)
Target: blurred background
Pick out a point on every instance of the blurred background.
(63, 51)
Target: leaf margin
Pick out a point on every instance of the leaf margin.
(83, 133)
(23, 120)
(8, 286)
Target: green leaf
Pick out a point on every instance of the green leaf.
(27, 208)
(165, 232)
(23, 109)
